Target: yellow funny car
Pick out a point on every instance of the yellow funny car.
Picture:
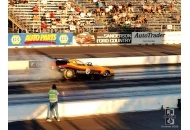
(71, 68)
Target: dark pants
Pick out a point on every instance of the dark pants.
(52, 107)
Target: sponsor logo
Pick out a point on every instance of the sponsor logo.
(114, 38)
(148, 35)
(84, 72)
(88, 71)
(117, 35)
(81, 72)
(40, 38)
(35, 64)
(63, 38)
(15, 39)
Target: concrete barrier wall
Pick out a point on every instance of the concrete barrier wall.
(17, 65)
(141, 60)
(94, 107)
(116, 61)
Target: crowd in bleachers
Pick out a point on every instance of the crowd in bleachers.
(94, 15)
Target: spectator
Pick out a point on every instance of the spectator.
(26, 1)
(127, 22)
(82, 14)
(16, 1)
(58, 21)
(95, 1)
(120, 7)
(44, 2)
(36, 18)
(66, 30)
(159, 9)
(97, 11)
(59, 11)
(43, 18)
(89, 14)
(60, 6)
(51, 14)
(42, 9)
(47, 14)
(130, 7)
(68, 5)
(99, 4)
(77, 9)
(65, 10)
(123, 14)
(21, 2)
(115, 17)
(171, 5)
(103, 2)
(138, 25)
(35, 8)
(154, 9)
(130, 16)
(25, 30)
(44, 26)
(178, 18)
(12, 3)
(37, 30)
(146, 8)
(145, 19)
(71, 18)
(63, 21)
(107, 10)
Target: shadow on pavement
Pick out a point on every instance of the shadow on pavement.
(148, 120)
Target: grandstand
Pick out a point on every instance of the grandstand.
(93, 16)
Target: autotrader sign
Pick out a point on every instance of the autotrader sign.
(147, 37)
(156, 37)
(115, 37)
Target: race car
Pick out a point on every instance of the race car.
(85, 37)
(71, 68)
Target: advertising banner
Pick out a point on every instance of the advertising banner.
(85, 38)
(156, 37)
(113, 37)
(172, 37)
(39, 39)
(147, 37)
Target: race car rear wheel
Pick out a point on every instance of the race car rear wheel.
(69, 74)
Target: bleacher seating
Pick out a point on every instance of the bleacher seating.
(155, 22)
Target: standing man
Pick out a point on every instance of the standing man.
(53, 99)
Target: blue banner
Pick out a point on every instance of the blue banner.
(39, 39)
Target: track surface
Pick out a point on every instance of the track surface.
(71, 86)
(124, 77)
(152, 120)
(94, 51)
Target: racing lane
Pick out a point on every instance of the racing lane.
(124, 77)
(93, 51)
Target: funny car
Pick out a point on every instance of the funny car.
(71, 68)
